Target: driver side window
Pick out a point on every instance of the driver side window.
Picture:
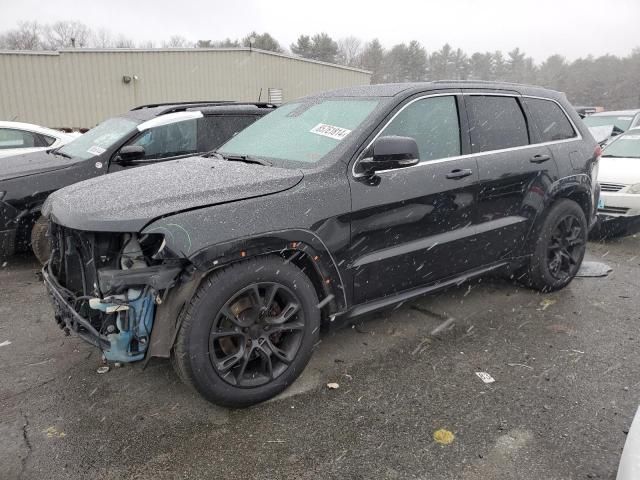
(168, 140)
(433, 123)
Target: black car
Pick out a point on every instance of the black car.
(147, 134)
(330, 207)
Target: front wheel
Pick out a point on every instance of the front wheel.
(40, 243)
(560, 247)
(248, 332)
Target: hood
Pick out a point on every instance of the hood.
(127, 200)
(31, 163)
(619, 170)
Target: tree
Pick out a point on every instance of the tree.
(416, 58)
(441, 63)
(480, 66)
(26, 37)
(323, 48)
(460, 65)
(302, 47)
(177, 41)
(102, 39)
(123, 42)
(349, 51)
(262, 41)
(204, 44)
(396, 64)
(226, 43)
(67, 34)
(372, 59)
(319, 47)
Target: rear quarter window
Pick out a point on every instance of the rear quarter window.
(551, 122)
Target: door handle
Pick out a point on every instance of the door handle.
(539, 158)
(459, 173)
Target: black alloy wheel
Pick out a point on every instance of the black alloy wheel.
(566, 247)
(256, 335)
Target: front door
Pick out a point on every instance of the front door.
(412, 227)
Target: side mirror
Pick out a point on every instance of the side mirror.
(130, 153)
(390, 152)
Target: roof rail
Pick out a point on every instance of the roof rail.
(487, 82)
(166, 104)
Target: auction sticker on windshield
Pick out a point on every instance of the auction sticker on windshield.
(331, 131)
(96, 150)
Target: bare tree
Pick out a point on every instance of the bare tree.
(124, 42)
(177, 41)
(102, 39)
(66, 34)
(26, 37)
(349, 51)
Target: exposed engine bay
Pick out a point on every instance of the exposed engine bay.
(106, 286)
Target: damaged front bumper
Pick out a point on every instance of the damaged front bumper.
(111, 308)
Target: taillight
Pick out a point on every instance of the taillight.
(598, 151)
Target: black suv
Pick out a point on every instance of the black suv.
(332, 206)
(147, 134)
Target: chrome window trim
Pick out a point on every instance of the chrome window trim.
(468, 155)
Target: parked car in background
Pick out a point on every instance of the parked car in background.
(620, 120)
(619, 178)
(145, 135)
(583, 111)
(333, 206)
(17, 138)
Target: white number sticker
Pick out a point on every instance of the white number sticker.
(96, 150)
(331, 131)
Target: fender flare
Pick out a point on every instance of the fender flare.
(203, 262)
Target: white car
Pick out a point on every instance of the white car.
(17, 138)
(619, 177)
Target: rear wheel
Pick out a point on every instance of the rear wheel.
(40, 243)
(248, 332)
(560, 248)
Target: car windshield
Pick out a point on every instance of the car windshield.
(621, 121)
(99, 138)
(301, 132)
(627, 145)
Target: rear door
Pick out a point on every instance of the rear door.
(412, 227)
(514, 170)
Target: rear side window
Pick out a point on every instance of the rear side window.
(495, 123)
(433, 123)
(214, 130)
(10, 138)
(550, 120)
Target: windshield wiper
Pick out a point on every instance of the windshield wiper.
(59, 153)
(239, 158)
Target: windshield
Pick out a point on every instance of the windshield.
(626, 145)
(621, 121)
(301, 132)
(99, 138)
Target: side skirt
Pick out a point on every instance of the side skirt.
(392, 300)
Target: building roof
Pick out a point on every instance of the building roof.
(190, 50)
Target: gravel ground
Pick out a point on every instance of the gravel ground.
(566, 388)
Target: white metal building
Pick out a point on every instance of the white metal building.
(79, 88)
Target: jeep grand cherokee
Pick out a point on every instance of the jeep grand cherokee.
(330, 207)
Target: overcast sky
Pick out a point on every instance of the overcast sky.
(573, 28)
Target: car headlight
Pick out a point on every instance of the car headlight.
(635, 188)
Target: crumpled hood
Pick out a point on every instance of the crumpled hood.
(127, 200)
(31, 163)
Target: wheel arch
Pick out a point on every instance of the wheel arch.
(300, 247)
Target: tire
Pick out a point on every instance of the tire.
(231, 332)
(559, 249)
(40, 243)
